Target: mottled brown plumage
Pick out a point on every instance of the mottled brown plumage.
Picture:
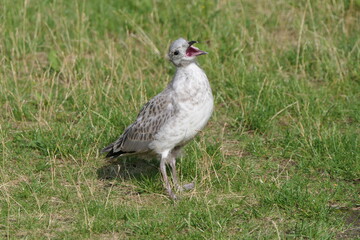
(173, 117)
(137, 136)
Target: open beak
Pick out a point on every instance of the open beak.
(193, 51)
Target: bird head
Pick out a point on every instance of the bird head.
(182, 52)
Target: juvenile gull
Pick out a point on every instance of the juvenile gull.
(173, 117)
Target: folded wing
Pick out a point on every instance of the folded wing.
(137, 137)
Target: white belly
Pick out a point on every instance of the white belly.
(186, 124)
(192, 95)
(194, 121)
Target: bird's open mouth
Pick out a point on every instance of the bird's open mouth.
(193, 51)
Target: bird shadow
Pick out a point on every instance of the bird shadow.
(128, 168)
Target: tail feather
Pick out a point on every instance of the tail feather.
(115, 149)
(107, 149)
(113, 154)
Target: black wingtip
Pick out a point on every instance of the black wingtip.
(112, 154)
(107, 149)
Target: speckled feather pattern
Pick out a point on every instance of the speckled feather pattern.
(173, 117)
(154, 114)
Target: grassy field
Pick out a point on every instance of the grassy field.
(280, 158)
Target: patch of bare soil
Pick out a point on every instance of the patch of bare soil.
(126, 169)
(353, 221)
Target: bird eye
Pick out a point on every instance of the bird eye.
(176, 52)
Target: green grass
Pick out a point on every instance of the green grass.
(280, 158)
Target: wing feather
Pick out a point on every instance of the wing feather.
(137, 137)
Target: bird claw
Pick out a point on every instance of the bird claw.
(174, 197)
(171, 194)
(189, 186)
(179, 188)
(185, 187)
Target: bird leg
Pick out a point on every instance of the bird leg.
(174, 173)
(174, 153)
(165, 178)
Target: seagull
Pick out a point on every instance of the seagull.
(172, 118)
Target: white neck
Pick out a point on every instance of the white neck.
(188, 78)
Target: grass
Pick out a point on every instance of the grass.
(279, 159)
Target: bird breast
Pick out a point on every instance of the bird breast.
(191, 86)
(194, 105)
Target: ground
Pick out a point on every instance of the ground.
(279, 159)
